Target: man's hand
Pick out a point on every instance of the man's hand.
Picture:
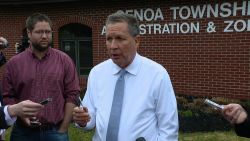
(81, 116)
(24, 109)
(234, 113)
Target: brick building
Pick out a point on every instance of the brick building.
(204, 45)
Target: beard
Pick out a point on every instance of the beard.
(40, 48)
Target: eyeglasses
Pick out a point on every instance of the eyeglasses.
(41, 32)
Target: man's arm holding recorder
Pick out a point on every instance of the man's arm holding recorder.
(22, 109)
(238, 116)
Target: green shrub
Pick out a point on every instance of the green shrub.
(195, 116)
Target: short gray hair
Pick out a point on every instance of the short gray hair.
(133, 24)
(4, 43)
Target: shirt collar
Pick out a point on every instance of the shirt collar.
(33, 55)
(133, 68)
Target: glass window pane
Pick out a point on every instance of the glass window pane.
(85, 57)
(69, 48)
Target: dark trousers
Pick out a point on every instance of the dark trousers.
(21, 132)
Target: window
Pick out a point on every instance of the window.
(76, 40)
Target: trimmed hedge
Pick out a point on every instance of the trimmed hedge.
(195, 116)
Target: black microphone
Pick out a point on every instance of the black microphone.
(140, 139)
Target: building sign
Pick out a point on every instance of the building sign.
(153, 20)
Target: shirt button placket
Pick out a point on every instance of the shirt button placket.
(38, 78)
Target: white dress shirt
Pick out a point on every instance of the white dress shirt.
(9, 120)
(149, 105)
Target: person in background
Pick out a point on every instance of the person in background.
(9, 113)
(41, 72)
(20, 47)
(239, 117)
(128, 97)
(3, 44)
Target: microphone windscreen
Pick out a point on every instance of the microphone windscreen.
(140, 139)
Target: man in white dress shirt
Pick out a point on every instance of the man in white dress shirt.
(149, 107)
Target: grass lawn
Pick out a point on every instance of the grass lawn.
(76, 134)
(211, 136)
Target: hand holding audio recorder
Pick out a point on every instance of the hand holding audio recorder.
(213, 104)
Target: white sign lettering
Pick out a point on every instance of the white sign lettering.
(206, 11)
(147, 14)
(237, 26)
(153, 16)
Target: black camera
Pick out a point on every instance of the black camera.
(3, 43)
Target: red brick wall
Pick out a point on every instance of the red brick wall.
(200, 64)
